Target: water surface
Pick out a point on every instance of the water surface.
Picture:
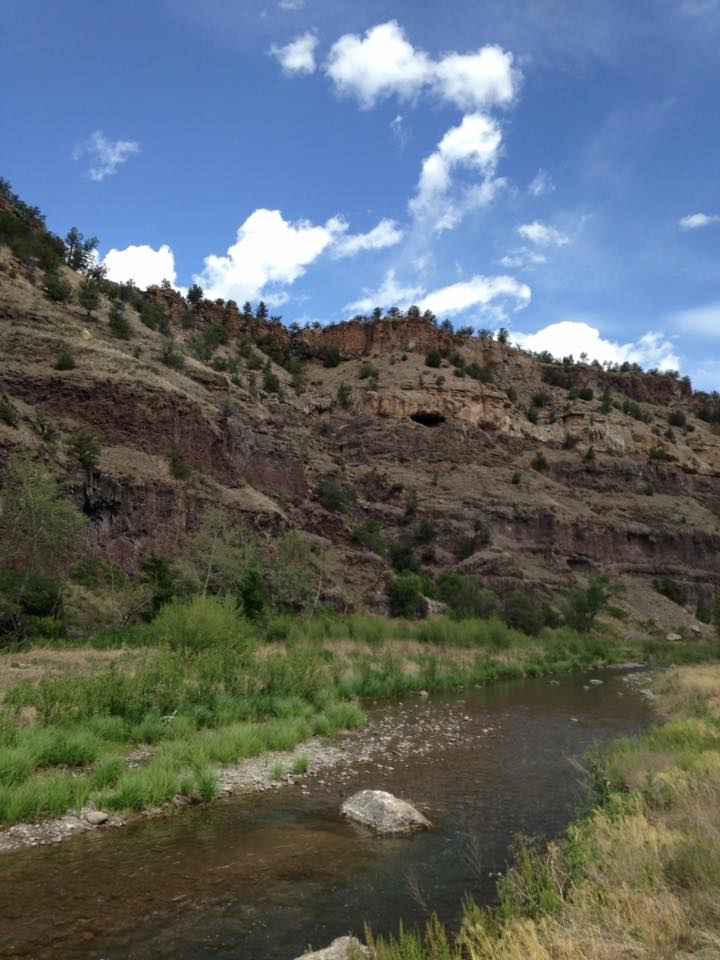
(263, 877)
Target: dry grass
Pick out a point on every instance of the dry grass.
(640, 877)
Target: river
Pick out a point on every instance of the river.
(263, 877)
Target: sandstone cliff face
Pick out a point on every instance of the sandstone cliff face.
(633, 498)
(484, 407)
(384, 337)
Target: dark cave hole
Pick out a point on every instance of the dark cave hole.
(428, 418)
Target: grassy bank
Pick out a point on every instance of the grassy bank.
(202, 687)
(638, 877)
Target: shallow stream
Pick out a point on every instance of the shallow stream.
(262, 877)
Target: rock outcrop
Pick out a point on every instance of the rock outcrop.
(384, 813)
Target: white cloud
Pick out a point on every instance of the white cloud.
(704, 320)
(105, 155)
(381, 64)
(574, 337)
(542, 234)
(389, 294)
(268, 250)
(399, 130)
(523, 257)
(541, 184)
(386, 234)
(291, 4)
(697, 220)
(384, 63)
(474, 144)
(473, 81)
(478, 291)
(298, 56)
(142, 264)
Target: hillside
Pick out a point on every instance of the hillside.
(525, 473)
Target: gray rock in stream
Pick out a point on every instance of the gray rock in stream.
(384, 813)
(344, 948)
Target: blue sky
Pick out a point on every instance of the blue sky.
(549, 165)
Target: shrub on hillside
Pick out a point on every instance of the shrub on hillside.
(523, 612)
(333, 496)
(464, 597)
(433, 359)
(407, 598)
(369, 535)
(402, 557)
(671, 589)
(57, 289)
(583, 606)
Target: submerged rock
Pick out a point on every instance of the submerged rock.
(344, 948)
(384, 813)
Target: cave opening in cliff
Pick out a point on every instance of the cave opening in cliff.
(428, 418)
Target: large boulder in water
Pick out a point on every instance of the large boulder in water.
(383, 812)
(344, 948)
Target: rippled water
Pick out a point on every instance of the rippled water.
(263, 877)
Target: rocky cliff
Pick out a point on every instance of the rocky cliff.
(564, 470)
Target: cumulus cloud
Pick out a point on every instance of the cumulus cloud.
(574, 337)
(541, 184)
(696, 220)
(268, 250)
(298, 56)
(105, 155)
(474, 144)
(486, 294)
(386, 234)
(384, 63)
(479, 291)
(142, 264)
(542, 234)
(473, 81)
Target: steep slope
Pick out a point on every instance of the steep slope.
(527, 475)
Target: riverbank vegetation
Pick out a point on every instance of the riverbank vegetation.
(227, 653)
(202, 686)
(639, 876)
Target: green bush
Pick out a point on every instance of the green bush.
(331, 357)
(433, 359)
(407, 598)
(201, 623)
(402, 557)
(671, 589)
(179, 468)
(119, 323)
(85, 447)
(368, 370)
(333, 496)
(8, 412)
(582, 606)
(464, 597)
(66, 361)
(523, 612)
(57, 289)
(369, 535)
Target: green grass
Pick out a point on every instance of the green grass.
(203, 688)
(301, 765)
